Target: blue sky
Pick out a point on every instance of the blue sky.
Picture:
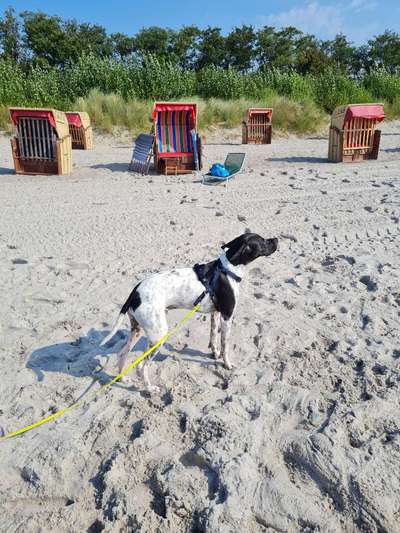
(358, 19)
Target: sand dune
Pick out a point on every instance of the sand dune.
(303, 435)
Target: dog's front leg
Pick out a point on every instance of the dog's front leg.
(144, 368)
(225, 333)
(215, 320)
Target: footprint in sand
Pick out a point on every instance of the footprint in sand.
(19, 261)
(256, 272)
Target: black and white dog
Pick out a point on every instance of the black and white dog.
(215, 284)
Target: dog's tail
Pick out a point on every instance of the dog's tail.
(115, 328)
(132, 303)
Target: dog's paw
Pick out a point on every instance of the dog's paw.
(229, 366)
(126, 379)
(153, 389)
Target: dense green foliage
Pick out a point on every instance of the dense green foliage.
(155, 78)
(46, 61)
(40, 39)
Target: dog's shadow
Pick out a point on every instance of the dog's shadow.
(84, 357)
(197, 356)
(79, 358)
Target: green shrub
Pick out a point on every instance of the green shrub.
(333, 88)
(290, 84)
(383, 85)
(216, 82)
(121, 93)
(12, 84)
(392, 109)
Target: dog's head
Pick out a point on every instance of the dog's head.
(247, 247)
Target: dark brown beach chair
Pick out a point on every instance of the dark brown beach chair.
(353, 135)
(257, 126)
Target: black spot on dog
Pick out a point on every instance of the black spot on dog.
(133, 301)
(96, 527)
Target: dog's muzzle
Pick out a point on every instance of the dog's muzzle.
(271, 246)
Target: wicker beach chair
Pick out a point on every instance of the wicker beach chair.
(177, 147)
(80, 130)
(257, 126)
(353, 135)
(233, 163)
(142, 152)
(42, 143)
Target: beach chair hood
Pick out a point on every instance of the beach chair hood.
(78, 119)
(254, 111)
(57, 119)
(176, 106)
(346, 113)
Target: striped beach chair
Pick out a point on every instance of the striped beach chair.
(42, 142)
(177, 147)
(353, 135)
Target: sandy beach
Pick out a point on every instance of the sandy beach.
(303, 435)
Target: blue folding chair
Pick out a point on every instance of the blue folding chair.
(142, 153)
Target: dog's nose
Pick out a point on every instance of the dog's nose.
(276, 242)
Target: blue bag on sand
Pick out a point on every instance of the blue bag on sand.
(219, 170)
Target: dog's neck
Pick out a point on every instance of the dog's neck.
(238, 269)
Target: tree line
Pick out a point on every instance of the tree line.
(37, 39)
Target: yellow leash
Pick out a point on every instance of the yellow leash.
(103, 388)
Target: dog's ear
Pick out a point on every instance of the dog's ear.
(230, 244)
(236, 249)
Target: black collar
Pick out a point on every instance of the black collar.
(210, 282)
(227, 272)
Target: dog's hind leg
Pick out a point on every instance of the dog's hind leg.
(215, 321)
(154, 332)
(130, 343)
